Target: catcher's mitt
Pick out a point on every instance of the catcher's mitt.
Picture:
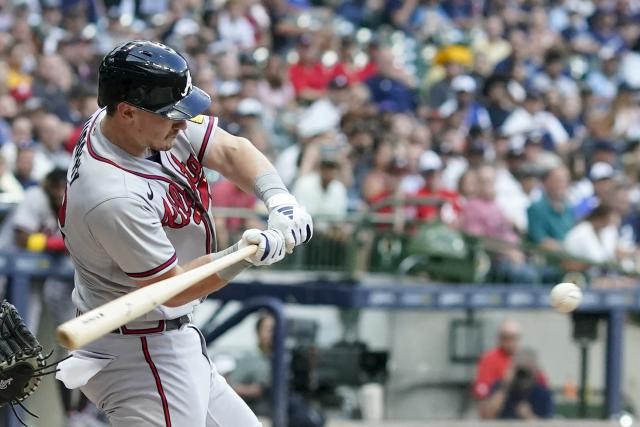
(22, 363)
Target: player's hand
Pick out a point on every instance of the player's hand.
(270, 245)
(293, 220)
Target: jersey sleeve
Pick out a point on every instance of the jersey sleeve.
(200, 131)
(132, 235)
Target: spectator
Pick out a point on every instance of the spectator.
(552, 77)
(430, 167)
(24, 168)
(249, 118)
(481, 216)
(392, 88)
(52, 133)
(510, 195)
(601, 178)
(464, 103)
(234, 25)
(251, 379)
(321, 191)
(274, 91)
(532, 117)
(494, 364)
(551, 217)
(347, 67)
(10, 188)
(378, 183)
(468, 186)
(519, 395)
(497, 101)
(605, 80)
(453, 59)
(594, 239)
(308, 76)
(493, 45)
(53, 83)
(625, 113)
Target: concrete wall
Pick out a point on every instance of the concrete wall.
(418, 342)
(419, 346)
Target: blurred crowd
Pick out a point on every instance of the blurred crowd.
(519, 117)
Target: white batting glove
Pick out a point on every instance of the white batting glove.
(270, 246)
(293, 220)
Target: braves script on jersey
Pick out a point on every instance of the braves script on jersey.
(126, 218)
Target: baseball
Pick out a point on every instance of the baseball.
(565, 297)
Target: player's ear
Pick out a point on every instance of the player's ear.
(125, 111)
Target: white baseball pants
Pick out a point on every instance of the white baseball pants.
(161, 379)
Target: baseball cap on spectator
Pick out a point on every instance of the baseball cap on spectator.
(463, 83)
(600, 171)
(249, 107)
(429, 161)
(454, 54)
(229, 88)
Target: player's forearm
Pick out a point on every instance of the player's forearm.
(242, 163)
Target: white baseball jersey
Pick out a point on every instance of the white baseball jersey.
(129, 218)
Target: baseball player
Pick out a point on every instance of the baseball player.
(136, 211)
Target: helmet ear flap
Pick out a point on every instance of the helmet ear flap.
(136, 96)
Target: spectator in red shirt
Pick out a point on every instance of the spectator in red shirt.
(430, 166)
(347, 67)
(308, 76)
(495, 364)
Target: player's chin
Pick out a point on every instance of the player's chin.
(166, 144)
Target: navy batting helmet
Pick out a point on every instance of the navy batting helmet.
(152, 77)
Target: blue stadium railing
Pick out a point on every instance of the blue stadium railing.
(380, 292)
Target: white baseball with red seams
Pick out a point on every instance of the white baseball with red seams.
(566, 297)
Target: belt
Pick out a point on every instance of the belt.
(162, 326)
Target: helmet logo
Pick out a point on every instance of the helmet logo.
(188, 86)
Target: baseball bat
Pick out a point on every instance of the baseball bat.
(100, 321)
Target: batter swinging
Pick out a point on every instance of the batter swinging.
(136, 211)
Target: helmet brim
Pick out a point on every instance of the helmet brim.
(188, 107)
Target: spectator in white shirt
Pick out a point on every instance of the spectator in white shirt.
(532, 117)
(321, 192)
(594, 239)
(234, 26)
